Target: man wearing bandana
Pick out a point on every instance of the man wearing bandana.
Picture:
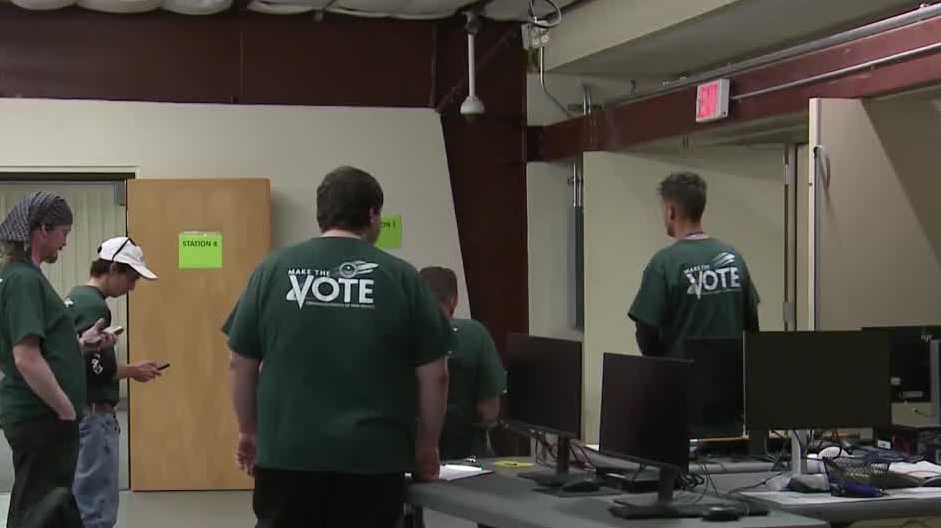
(43, 391)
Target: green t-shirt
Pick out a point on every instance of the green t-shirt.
(340, 327)
(476, 375)
(30, 307)
(86, 306)
(696, 288)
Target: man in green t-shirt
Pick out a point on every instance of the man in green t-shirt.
(43, 389)
(697, 287)
(477, 377)
(354, 386)
(114, 273)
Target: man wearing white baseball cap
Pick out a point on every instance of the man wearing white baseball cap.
(115, 272)
(125, 251)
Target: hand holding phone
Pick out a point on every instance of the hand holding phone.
(114, 330)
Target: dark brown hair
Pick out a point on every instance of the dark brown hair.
(345, 199)
(687, 191)
(441, 281)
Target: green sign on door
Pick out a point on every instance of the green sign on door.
(391, 235)
(200, 250)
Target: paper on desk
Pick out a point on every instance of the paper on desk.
(916, 493)
(792, 498)
(512, 464)
(923, 469)
(451, 472)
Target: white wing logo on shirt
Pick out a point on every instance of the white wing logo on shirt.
(69, 302)
(348, 270)
(723, 259)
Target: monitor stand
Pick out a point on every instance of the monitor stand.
(666, 508)
(561, 475)
(663, 507)
(798, 459)
(758, 442)
(934, 351)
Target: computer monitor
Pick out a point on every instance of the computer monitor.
(817, 380)
(717, 388)
(914, 377)
(544, 393)
(644, 413)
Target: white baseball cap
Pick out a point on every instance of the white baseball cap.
(125, 251)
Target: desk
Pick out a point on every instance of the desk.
(840, 513)
(503, 500)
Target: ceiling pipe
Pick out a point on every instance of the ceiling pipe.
(921, 13)
(842, 72)
(542, 82)
(586, 99)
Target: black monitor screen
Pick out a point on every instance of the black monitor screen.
(910, 361)
(544, 383)
(717, 388)
(815, 380)
(644, 410)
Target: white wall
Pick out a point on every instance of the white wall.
(549, 209)
(622, 231)
(292, 146)
(879, 258)
(624, 228)
(551, 253)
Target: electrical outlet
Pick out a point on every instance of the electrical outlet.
(534, 37)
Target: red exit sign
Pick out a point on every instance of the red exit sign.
(712, 101)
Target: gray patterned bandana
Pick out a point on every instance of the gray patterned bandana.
(37, 209)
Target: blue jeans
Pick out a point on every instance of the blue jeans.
(96, 475)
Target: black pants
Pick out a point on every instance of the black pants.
(307, 499)
(45, 452)
(416, 519)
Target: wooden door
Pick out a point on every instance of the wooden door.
(182, 426)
